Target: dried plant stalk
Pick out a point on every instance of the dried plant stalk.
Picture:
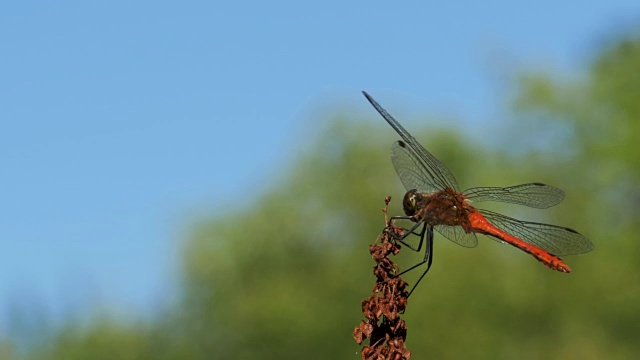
(385, 329)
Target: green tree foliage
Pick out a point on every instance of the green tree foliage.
(602, 112)
(103, 340)
(284, 276)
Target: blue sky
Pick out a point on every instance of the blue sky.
(121, 122)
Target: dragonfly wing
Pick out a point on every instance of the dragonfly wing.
(441, 176)
(411, 171)
(458, 235)
(535, 195)
(557, 240)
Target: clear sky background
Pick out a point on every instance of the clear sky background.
(122, 122)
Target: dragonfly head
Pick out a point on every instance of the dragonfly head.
(409, 202)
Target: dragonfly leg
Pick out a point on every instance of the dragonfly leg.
(428, 256)
(409, 231)
(420, 236)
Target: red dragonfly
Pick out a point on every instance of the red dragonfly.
(434, 200)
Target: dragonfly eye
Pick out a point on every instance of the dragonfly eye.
(409, 202)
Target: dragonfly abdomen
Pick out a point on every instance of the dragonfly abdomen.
(481, 225)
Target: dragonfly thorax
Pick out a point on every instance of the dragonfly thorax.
(444, 207)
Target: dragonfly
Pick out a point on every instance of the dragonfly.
(434, 201)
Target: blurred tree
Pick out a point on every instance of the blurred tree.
(284, 277)
(103, 339)
(602, 113)
(6, 350)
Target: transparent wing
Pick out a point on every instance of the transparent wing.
(557, 240)
(458, 235)
(440, 176)
(410, 169)
(535, 195)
